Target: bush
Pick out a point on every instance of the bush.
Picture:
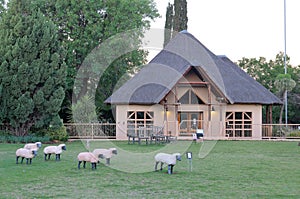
(58, 134)
(7, 137)
(294, 134)
(24, 139)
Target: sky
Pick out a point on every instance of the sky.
(243, 28)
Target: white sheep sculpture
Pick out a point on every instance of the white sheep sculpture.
(169, 159)
(34, 146)
(106, 153)
(25, 153)
(57, 150)
(88, 157)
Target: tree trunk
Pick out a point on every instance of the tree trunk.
(281, 112)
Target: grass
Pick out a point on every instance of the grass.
(233, 169)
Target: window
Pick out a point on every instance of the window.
(139, 119)
(239, 124)
(190, 98)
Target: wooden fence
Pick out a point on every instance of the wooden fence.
(91, 130)
(286, 131)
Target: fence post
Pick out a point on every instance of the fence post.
(92, 131)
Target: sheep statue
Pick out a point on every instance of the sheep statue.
(88, 157)
(25, 153)
(106, 153)
(57, 150)
(35, 146)
(169, 159)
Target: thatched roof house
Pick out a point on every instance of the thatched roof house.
(189, 81)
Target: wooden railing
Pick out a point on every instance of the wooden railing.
(91, 130)
(288, 131)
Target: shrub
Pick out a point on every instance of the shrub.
(58, 134)
(24, 139)
(295, 133)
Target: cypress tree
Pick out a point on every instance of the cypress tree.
(168, 23)
(180, 16)
(176, 19)
(32, 69)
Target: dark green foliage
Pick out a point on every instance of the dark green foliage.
(23, 139)
(115, 76)
(32, 72)
(86, 24)
(295, 133)
(58, 134)
(53, 133)
(2, 5)
(168, 24)
(180, 17)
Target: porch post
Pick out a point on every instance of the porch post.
(166, 119)
(209, 102)
(269, 120)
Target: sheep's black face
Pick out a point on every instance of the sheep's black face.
(64, 148)
(39, 145)
(34, 153)
(178, 157)
(115, 152)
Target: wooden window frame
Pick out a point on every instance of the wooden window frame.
(239, 127)
(134, 123)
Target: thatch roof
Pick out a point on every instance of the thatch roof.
(156, 79)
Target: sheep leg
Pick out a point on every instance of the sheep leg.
(26, 160)
(84, 164)
(49, 156)
(172, 168)
(108, 161)
(169, 169)
(17, 158)
(79, 164)
(57, 157)
(22, 160)
(161, 166)
(45, 156)
(156, 166)
(94, 165)
(30, 160)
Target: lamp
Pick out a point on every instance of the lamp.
(213, 109)
(189, 155)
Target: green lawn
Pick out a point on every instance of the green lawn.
(233, 169)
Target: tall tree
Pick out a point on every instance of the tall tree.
(180, 15)
(284, 83)
(32, 71)
(168, 23)
(266, 72)
(176, 19)
(86, 24)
